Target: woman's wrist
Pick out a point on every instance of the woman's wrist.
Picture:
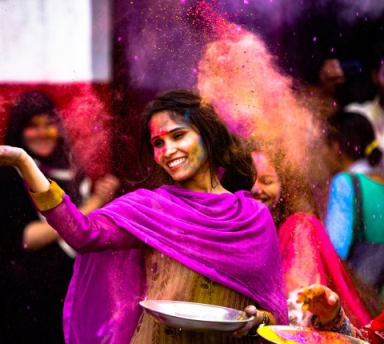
(331, 318)
(31, 173)
(328, 323)
(22, 160)
(261, 319)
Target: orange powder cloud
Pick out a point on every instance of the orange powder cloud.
(237, 75)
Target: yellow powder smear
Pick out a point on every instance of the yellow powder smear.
(295, 335)
(272, 336)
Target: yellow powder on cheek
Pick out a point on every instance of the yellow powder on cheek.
(52, 132)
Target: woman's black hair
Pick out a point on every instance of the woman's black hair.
(26, 106)
(354, 133)
(224, 149)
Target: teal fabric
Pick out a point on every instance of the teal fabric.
(341, 211)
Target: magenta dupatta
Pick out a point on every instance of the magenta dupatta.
(230, 239)
(308, 255)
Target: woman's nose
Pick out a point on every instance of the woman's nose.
(256, 189)
(40, 130)
(170, 149)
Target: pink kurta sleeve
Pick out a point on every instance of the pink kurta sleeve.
(84, 234)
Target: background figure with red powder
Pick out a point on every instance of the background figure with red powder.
(307, 253)
(36, 264)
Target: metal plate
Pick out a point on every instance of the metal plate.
(301, 335)
(196, 316)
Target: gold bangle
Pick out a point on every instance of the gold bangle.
(265, 319)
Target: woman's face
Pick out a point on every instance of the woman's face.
(267, 188)
(41, 135)
(178, 147)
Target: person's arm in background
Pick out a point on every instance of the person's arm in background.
(39, 234)
(340, 214)
(82, 233)
(328, 315)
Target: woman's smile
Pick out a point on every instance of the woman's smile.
(176, 163)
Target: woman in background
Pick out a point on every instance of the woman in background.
(354, 153)
(307, 253)
(36, 264)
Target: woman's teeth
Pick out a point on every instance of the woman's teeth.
(176, 162)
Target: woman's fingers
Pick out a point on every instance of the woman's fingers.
(106, 187)
(250, 310)
(319, 300)
(9, 156)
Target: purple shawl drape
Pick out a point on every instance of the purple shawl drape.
(229, 238)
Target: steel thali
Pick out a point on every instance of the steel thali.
(196, 316)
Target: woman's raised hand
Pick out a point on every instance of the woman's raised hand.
(320, 300)
(106, 188)
(14, 156)
(10, 156)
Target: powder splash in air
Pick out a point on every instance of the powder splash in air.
(238, 76)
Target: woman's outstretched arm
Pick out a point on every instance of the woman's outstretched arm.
(81, 233)
(39, 234)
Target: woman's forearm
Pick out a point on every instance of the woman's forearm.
(38, 234)
(14, 156)
(31, 173)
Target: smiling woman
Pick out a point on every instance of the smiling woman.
(200, 240)
(41, 135)
(267, 187)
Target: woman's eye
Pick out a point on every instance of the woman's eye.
(32, 126)
(157, 144)
(179, 135)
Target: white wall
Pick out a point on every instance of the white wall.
(51, 41)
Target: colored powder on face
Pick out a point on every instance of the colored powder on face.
(187, 115)
(197, 154)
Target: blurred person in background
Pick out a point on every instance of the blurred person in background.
(36, 264)
(330, 92)
(355, 216)
(374, 109)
